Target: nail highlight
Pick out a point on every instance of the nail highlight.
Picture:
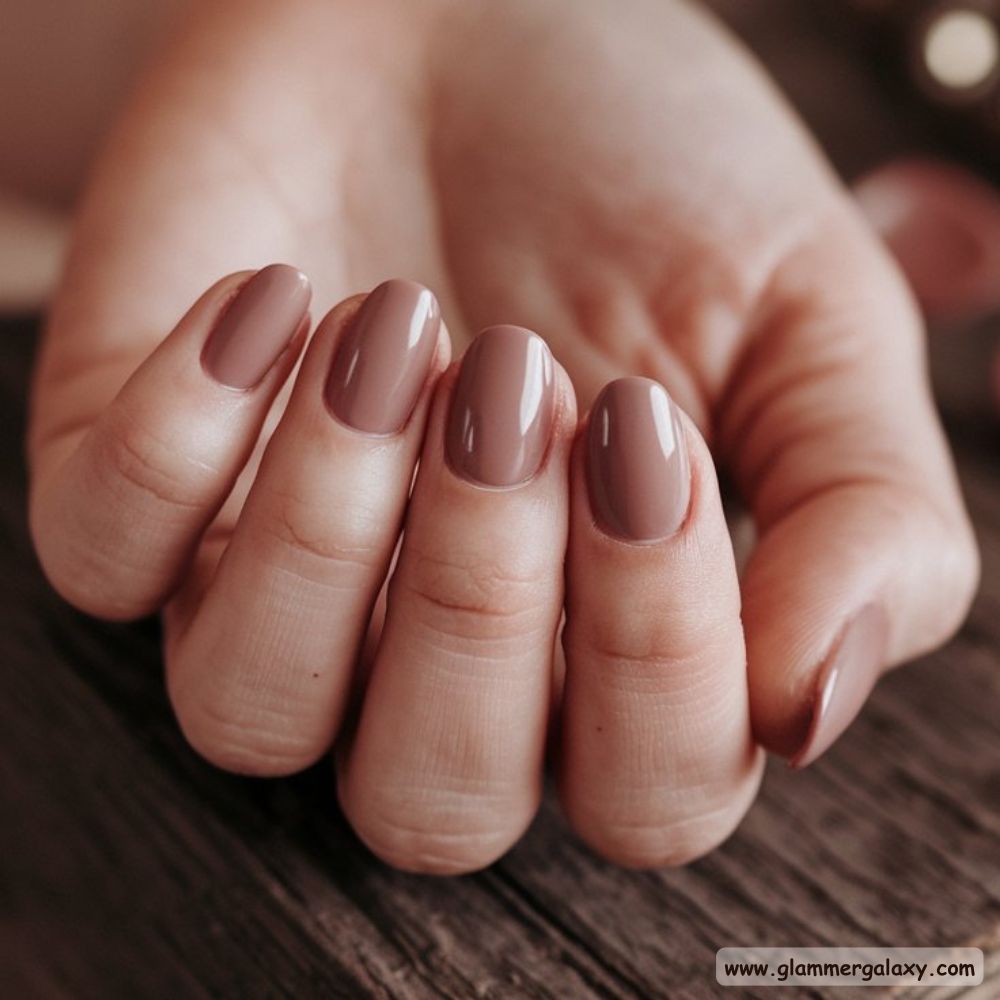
(257, 326)
(845, 680)
(382, 362)
(502, 408)
(638, 472)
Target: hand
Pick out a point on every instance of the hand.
(621, 180)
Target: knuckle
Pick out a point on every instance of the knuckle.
(137, 464)
(262, 741)
(101, 596)
(638, 837)
(442, 834)
(639, 657)
(105, 519)
(472, 599)
(88, 576)
(332, 547)
(630, 651)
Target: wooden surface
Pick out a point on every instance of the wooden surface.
(128, 868)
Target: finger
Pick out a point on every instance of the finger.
(117, 509)
(658, 762)
(259, 677)
(445, 769)
(866, 557)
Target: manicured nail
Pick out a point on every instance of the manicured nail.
(258, 325)
(845, 680)
(638, 474)
(383, 360)
(502, 408)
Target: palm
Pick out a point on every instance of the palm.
(524, 190)
(592, 212)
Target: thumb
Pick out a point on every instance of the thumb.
(866, 557)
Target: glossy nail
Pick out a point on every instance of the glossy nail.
(257, 326)
(638, 473)
(845, 680)
(382, 362)
(502, 408)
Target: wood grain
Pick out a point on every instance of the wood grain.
(128, 868)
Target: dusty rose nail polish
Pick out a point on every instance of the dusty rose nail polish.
(257, 326)
(383, 360)
(638, 473)
(845, 680)
(502, 408)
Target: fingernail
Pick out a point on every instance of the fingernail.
(845, 680)
(638, 474)
(502, 408)
(382, 362)
(258, 325)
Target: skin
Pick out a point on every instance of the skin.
(620, 178)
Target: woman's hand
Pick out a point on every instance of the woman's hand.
(620, 179)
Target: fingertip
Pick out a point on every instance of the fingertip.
(843, 683)
(677, 833)
(857, 580)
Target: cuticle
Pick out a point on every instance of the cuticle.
(360, 432)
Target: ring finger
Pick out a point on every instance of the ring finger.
(658, 762)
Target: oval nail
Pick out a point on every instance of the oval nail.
(502, 408)
(382, 362)
(638, 473)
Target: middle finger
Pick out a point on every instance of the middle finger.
(445, 770)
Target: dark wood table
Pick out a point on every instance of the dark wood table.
(129, 868)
